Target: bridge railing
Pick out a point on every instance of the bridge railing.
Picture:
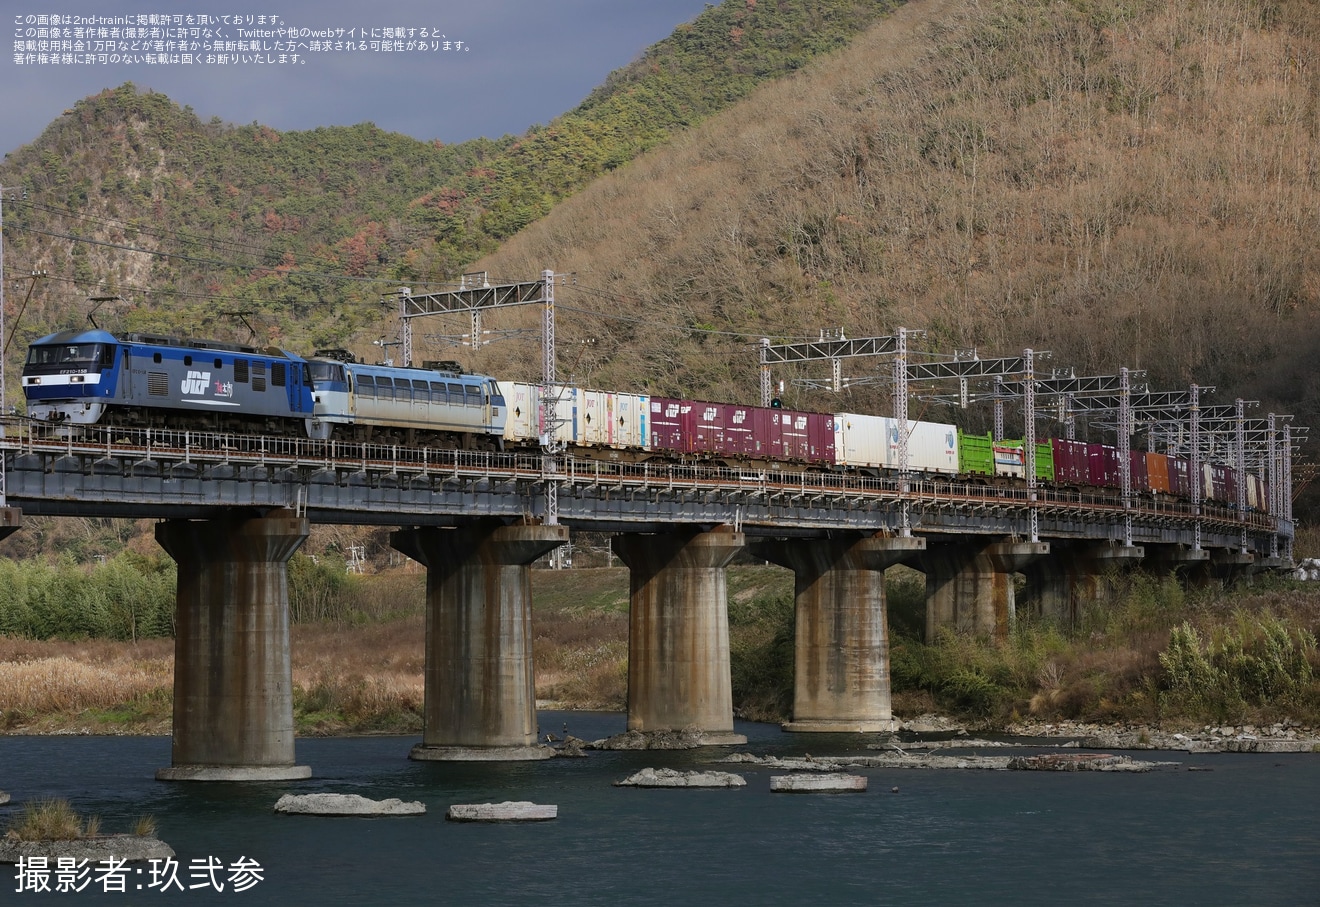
(787, 483)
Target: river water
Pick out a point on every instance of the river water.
(1247, 831)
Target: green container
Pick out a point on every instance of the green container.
(1044, 458)
(976, 454)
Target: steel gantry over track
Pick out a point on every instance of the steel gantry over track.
(962, 367)
(1201, 434)
(474, 295)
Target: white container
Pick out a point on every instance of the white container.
(609, 419)
(526, 423)
(861, 441)
(932, 447)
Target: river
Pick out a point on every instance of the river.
(1245, 831)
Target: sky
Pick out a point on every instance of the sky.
(510, 64)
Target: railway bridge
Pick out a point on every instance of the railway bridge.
(233, 509)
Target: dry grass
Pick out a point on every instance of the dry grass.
(52, 820)
(97, 685)
(347, 678)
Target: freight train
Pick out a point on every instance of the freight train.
(84, 378)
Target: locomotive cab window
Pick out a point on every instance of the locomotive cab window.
(325, 372)
(71, 355)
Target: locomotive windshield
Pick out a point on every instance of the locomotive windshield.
(323, 371)
(66, 355)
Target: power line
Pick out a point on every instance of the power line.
(614, 316)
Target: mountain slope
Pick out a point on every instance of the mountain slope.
(1122, 183)
(131, 196)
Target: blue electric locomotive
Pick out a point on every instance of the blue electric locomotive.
(94, 378)
(435, 405)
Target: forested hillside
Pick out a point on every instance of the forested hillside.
(1123, 183)
(307, 230)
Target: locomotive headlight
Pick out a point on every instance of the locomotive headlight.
(34, 381)
(76, 379)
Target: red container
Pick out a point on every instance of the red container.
(1226, 480)
(740, 432)
(1180, 478)
(820, 438)
(805, 437)
(1103, 462)
(1071, 466)
(667, 431)
(705, 427)
(1138, 475)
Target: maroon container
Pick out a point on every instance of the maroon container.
(1139, 476)
(820, 438)
(1180, 477)
(740, 432)
(667, 424)
(704, 425)
(1071, 466)
(1226, 484)
(1103, 462)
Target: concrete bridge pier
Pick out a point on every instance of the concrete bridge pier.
(1190, 565)
(233, 678)
(841, 648)
(1229, 565)
(969, 585)
(678, 632)
(1059, 586)
(11, 520)
(480, 688)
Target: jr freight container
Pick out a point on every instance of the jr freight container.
(609, 419)
(730, 431)
(861, 442)
(1103, 461)
(527, 424)
(1180, 477)
(1157, 473)
(931, 447)
(1072, 465)
(976, 456)
(1138, 474)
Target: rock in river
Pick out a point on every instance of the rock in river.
(345, 805)
(668, 777)
(132, 848)
(508, 811)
